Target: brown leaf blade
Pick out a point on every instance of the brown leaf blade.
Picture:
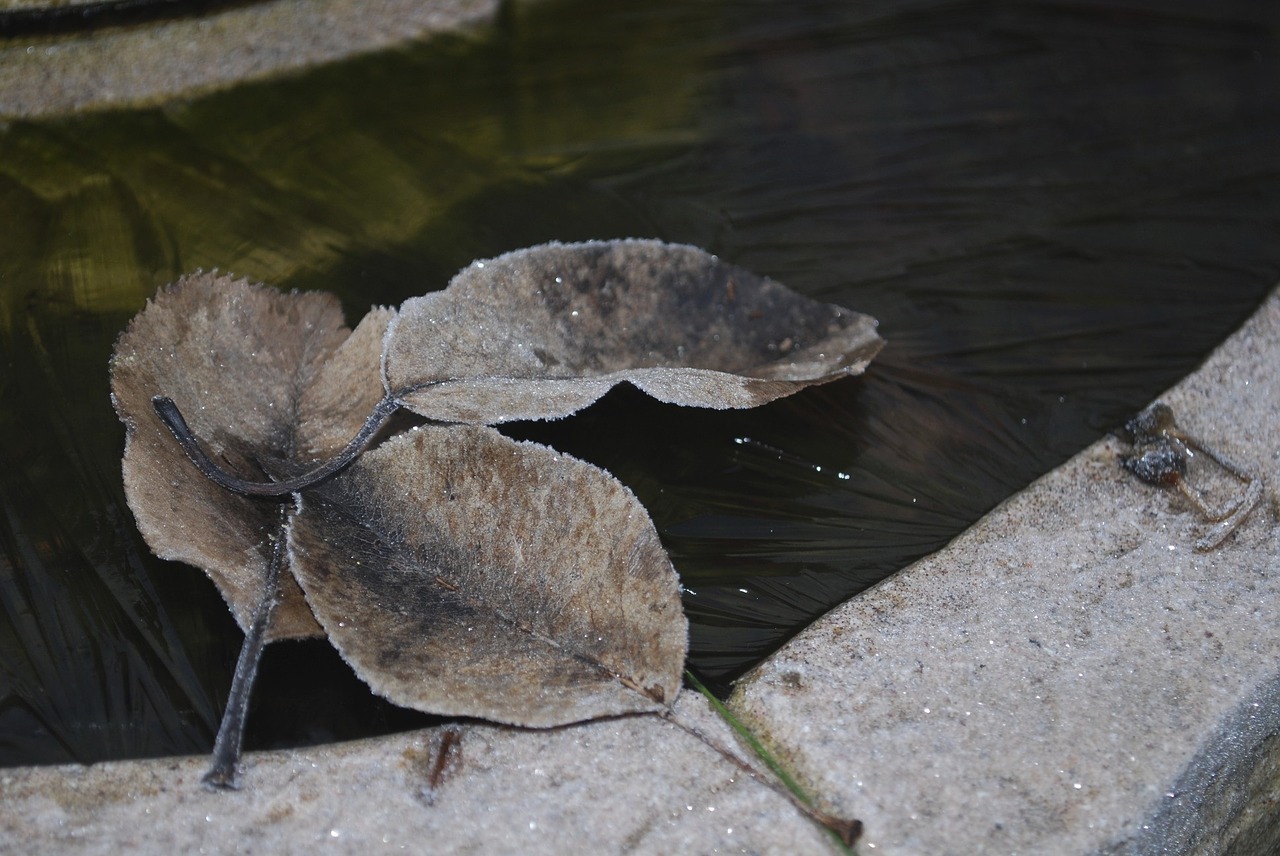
(462, 573)
(543, 332)
(236, 358)
(342, 390)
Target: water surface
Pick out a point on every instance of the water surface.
(1055, 209)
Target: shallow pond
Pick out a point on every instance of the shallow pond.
(1055, 210)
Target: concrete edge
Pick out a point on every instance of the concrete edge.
(185, 57)
(1069, 675)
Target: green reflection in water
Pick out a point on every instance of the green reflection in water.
(376, 179)
(1054, 210)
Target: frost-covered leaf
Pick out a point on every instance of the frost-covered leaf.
(460, 572)
(457, 571)
(342, 391)
(256, 373)
(543, 332)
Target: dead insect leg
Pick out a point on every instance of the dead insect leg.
(1197, 501)
(1215, 536)
(1230, 517)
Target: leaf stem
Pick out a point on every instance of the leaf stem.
(223, 773)
(171, 416)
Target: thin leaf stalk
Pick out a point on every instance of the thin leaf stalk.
(172, 417)
(224, 770)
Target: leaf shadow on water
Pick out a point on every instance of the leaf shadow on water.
(1055, 210)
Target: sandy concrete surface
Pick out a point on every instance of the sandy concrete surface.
(129, 66)
(1069, 675)
(633, 785)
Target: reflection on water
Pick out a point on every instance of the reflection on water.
(1054, 209)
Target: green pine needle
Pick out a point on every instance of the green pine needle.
(774, 765)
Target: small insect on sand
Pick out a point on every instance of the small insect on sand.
(1160, 457)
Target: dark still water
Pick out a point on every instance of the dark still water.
(1055, 210)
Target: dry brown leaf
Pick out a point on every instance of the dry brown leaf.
(543, 332)
(457, 571)
(462, 573)
(239, 360)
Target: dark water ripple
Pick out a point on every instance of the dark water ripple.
(1056, 210)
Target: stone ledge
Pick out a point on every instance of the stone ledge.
(133, 66)
(630, 785)
(1067, 676)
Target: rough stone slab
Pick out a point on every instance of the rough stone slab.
(1068, 676)
(631, 785)
(113, 67)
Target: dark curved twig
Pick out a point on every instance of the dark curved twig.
(171, 416)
